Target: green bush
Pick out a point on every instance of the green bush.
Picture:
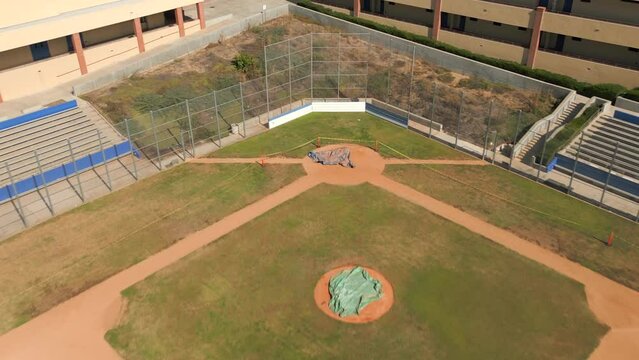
(150, 102)
(606, 91)
(539, 74)
(566, 135)
(632, 94)
(244, 62)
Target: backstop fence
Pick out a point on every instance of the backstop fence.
(478, 116)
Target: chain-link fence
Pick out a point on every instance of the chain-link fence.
(466, 112)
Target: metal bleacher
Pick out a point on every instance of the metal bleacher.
(600, 141)
(50, 136)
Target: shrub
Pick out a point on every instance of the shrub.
(149, 102)
(474, 82)
(539, 74)
(632, 94)
(446, 77)
(245, 63)
(606, 91)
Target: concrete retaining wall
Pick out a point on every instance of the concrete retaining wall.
(627, 104)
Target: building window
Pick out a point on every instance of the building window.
(496, 23)
(429, 10)
(522, 28)
(143, 20)
(473, 19)
(576, 38)
(633, 49)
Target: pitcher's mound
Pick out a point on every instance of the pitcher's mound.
(371, 312)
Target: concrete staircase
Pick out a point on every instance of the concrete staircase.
(535, 145)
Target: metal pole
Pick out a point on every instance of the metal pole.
(183, 144)
(339, 61)
(106, 167)
(268, 105)
(461, 103)
(75, 170)
(490, 111)
(390, 62)
(410, 85)
(432, 110)
(188, 114)
(543, 151)
(15, 195)
(243, 115)
(290, 78)
(612, 164)
(512, 150)
(128, 135)
(494, 145)
(157, 143)
(44, 182)
(217, 119)
(368, 53)
(574, 166)
(312, 65)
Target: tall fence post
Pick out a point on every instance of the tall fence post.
(312, 65)
(494, 146)
(44, 182)
(268, 105)
(128, 135)
(290, 78)
(243, 114)
(543, 152)
(461, 103)
(512, 149)
(155, 137)
(104, 159)
(188, 115)
(339, 61)
(183, 145)
(368, 54)
(410, 85)
(390, 64)
(16, 196)
(490, 112)
(432, 110)
(75, 170)
(217, 119)
(612, 164)
(574, 166)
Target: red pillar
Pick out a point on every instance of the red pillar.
(356, 7)
(0, 98)
(536, 37)
(437, 19)
(179, 19)
(201, 15)
(79, 51)
(137, 26)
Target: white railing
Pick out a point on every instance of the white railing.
(542, 126)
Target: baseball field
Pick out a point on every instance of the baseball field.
(218, 258)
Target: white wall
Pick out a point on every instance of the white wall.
(331, 106)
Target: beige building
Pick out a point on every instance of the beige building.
(46, 33)
(591, 40)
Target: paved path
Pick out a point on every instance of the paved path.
(75, 329)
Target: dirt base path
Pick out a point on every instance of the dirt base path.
(75, 329)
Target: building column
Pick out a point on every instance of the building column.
(200, 15)
(437, 19)
(179, 20)
(357, 6)
(536, 37)
(137, 26)
(79, 51)
(0, 98)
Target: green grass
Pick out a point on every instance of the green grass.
(570, 227)
(352, 126)
(249, 295)
(52, 262)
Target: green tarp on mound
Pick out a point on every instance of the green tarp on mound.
(351, 290)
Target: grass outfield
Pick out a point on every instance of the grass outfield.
(567, 226)
(352, 126)
(51, 262)
(457, 295)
